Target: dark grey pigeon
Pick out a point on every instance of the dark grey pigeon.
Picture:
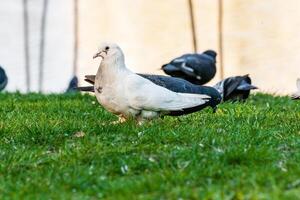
(73, 85)
(195, 68)
(175, 85)
(3, 79)
(296, 95)
(235, 88)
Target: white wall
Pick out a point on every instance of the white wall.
(58, 49)
(260, 38)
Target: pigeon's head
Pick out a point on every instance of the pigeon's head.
(210, 53)
(108, 50)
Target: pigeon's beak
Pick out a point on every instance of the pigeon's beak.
(98, 55)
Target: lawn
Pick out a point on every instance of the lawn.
(63, 147)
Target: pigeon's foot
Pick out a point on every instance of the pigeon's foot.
(141, 122)
(121, 120)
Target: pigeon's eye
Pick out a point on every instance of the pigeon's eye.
(106, 48)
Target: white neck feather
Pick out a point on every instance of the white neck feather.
(110, 69)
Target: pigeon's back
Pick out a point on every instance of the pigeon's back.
(195, 68)
(195, 61)
(203, 64)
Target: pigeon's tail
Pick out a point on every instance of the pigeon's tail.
(90, 79)
(295, 96)
(193, 100)
(196, 102)
(86, 89)
(168, 68)
(298, 84)
(245, 86)
(183, 101)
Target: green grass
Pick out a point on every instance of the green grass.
(244, 151)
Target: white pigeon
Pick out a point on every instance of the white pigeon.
(124, 93)
(296, 95)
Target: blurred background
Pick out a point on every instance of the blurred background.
(45, 42)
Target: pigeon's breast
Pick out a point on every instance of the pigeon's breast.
(107, 97)
(113, 100)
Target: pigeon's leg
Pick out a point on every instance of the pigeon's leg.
(146, 115)
(215, 109)
(140, 120)
(120, 120)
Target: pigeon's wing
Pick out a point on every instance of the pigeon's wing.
(228, 85)
(238, 83)
(298, 84)
(142, 94)
(197, 65)
(174, 84)
(156, 79)
(231, 83)
(182, 86)
(186, 64)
